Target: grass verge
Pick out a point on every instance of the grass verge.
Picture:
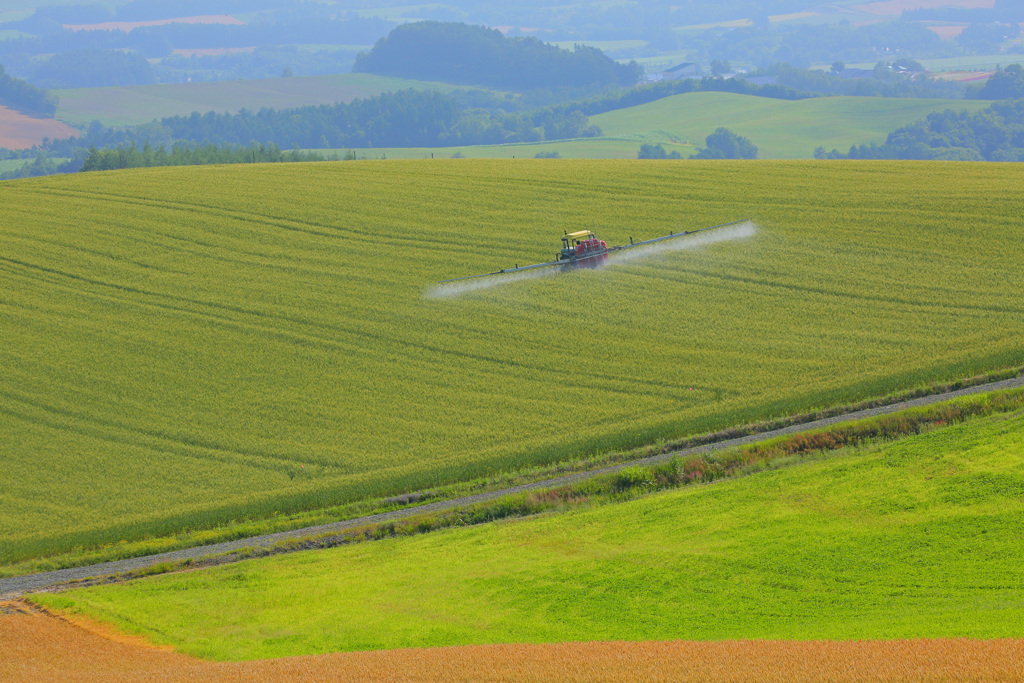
(631, 482)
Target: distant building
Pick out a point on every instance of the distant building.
(684, 70)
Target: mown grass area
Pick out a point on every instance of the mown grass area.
(918, 538)
(132, 105)
(781, 129)
(189, 346)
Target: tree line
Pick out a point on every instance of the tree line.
(406, 118)
(185, 154)
(19, 94)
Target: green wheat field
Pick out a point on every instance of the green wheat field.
(183, 347)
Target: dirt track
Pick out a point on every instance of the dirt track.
(17, 586)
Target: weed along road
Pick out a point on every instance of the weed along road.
(13, 587)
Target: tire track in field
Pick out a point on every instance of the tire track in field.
(13, 587)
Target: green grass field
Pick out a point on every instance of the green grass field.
(919, 538)
(187, 346)
(781, 129)
(131, 105)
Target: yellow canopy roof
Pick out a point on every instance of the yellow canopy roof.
(581, 233)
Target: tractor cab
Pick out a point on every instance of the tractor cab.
(583, 248)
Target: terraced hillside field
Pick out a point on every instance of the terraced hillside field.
(187, 346)
(918, 538)
(132, 105)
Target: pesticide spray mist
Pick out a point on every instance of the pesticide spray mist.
(733, 232)
(681, 243)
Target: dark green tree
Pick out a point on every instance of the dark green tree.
(648, 151)
(1005, 84)
(724, 144)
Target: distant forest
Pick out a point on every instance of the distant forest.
(19, 94)
(476, 55)
(94, 68)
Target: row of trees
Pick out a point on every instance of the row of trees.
(407, 118)
(184, 154)
(459, 53)
(993, 134)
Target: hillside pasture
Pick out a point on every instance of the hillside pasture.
(781, 129)
(918, 538)
(132, 105)
(188, 346)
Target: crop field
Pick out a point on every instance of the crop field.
(38, 647)
(131, 105)
(188, 346)
(781, 129)
(19, 131)
(917, 538)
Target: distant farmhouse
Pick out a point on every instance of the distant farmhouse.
(684, 70)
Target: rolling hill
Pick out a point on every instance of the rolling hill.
(189, 346)
(781, 129)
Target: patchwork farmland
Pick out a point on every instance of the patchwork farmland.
(190, 348)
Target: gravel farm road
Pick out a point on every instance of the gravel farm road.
(16, 586)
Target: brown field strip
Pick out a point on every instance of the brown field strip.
(36, 646)
(20, 131)
(895, 7)
(128, 26)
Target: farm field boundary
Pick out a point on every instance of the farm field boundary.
(39, 646)
(18, 585)
(880, 539)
